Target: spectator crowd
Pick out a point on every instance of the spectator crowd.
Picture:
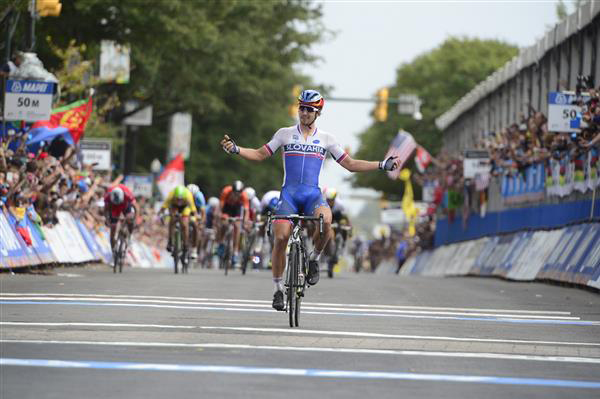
(512, 150)
(38, 182)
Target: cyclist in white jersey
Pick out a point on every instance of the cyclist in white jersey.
(304, 148)
(269, 201)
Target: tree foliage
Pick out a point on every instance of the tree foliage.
(439, 77)
(230, 63)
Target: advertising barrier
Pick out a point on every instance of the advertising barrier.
(570, 254)
(68, 242)
(527, 218)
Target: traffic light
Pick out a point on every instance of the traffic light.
(48, 8)
(381, 110)
(293, 108)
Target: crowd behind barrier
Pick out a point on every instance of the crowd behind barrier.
(51, 209)
(529, 164)
(570, 255)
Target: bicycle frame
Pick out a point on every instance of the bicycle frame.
(297, 264)
(228, 238)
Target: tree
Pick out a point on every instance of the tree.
(561, 8)
(229, 63)
(440, 77)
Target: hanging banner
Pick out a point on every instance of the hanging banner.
(476, 162)
(97, 153)
(180, 135)
(140, 185)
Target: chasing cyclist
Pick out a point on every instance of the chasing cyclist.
(268, 202)
(342, 230)
(196, 221)
(179, 201)
(119, 200)
(234, 203)
(304, 150)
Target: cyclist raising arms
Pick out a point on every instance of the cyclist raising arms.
(304, 149)
(180, 200)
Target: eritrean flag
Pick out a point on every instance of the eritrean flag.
(68, 121)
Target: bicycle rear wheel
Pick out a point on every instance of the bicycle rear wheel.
(292, 285)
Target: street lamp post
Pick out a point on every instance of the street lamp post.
(155, 167)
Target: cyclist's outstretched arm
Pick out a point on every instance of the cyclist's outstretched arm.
(259, 154)
(358, 165)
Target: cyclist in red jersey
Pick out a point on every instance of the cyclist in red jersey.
(119, 200)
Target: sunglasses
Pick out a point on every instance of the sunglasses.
(310, 110)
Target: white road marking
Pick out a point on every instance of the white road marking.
(299, 332)
(367, 306)
(304, 307)
(495, 319)
(474, 355)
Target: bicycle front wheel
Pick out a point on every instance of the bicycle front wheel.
(177, 248)
(122, 251)
(247, 253)
(116, 257)
(292, 285)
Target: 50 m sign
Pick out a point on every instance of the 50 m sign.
(28, 100)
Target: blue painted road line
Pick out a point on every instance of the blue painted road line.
(498, 319)
(298, 372)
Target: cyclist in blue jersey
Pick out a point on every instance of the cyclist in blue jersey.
(196, 221)
(304, 148)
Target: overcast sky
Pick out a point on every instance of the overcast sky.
(375, 37)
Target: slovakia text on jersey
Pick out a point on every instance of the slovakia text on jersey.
(303, 159)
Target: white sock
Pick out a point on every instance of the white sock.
(315, 255)
(278, 281)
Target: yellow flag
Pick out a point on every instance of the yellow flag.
(408, 203)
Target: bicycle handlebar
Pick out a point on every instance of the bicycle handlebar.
(295, 219)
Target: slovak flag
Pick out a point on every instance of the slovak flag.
(172, 176)
(422, 159)
(402, 146)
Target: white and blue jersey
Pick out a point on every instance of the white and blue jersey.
(199, 200)
(302, 164)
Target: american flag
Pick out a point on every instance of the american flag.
(402, 146)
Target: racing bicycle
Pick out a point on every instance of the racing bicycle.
(120, 248)
(297, 264)
(340, 233)
(179, 255)
(226, 258)
(252, 239)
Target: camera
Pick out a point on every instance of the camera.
(584, 82)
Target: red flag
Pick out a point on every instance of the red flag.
(72, 117)
(402, 146)
(172, 176)
(422, 159)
